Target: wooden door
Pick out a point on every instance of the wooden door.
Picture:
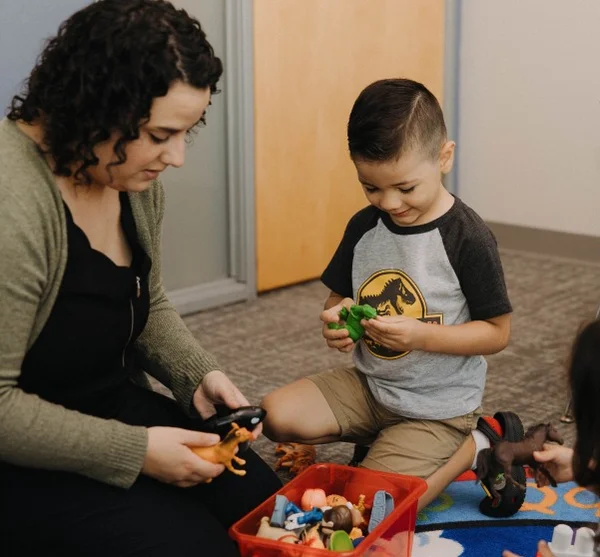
(312, 58)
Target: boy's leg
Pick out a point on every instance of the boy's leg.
(438, 451)
(322, 408)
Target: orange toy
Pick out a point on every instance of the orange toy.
(313, 498)
(295, 456)
(224, 451)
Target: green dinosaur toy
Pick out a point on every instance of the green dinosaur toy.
(352, 320)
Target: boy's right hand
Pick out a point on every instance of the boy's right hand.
(169, 458)
(337, 338)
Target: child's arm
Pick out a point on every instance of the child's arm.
(467, 339)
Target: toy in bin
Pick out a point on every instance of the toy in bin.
(330, 507)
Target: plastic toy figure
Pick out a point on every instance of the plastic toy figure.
(224, 451)
(297, 520)
(313, 498)
(497, 461)
(352, 318)
(295, 456)
(383, 504)
(272, 533)
(278, 516)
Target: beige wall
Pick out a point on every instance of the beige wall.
(529, 113)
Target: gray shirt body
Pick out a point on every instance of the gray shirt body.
(445, 272)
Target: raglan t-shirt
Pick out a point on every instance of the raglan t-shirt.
(445, 272)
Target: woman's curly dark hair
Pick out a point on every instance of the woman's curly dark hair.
(101, 72)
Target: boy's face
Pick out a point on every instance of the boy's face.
(409, 189)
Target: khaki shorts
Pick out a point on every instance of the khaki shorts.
(402, 445)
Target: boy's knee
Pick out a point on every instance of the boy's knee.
(274, 425)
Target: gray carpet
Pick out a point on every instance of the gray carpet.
(275, 339)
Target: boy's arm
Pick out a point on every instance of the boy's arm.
(468, 339)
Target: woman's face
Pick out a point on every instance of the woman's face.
(161, 142)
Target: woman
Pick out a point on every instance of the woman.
(91, 460)
(579, 464)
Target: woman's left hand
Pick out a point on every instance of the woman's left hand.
(542, 551)
(217, 388)
(396, 332)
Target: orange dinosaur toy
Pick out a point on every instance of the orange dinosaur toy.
(224, 451)
(295, 456)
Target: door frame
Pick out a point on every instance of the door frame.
(238, 90)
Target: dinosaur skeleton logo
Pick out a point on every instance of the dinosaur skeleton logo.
(392, 292)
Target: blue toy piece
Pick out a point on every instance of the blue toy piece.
(356, 541)
(278, 516)
(296, 520)
(383, 505)
(291, 508)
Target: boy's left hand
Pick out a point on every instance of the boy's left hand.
(396, 332)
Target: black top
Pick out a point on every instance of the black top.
(83, 357)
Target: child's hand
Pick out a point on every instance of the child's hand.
(542, 551)
(558, 460)
(396, 332)
(337, 338)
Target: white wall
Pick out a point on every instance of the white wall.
(24, 27)
(529, 112)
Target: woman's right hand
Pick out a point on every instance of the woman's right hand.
(169, 458)
(558, 460)
(337, 338)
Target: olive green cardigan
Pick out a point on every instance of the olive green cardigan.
(33, 256)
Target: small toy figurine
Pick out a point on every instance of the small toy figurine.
(337, 518)
(295, 456)
(313, 498)
(383, 504)
(334, 500)
(312, 538)
(272, 533)
(278, 516)
(296, 520)
(224, 451)
(583, 546)
(352, 318)
(497, 461)
(340, 541)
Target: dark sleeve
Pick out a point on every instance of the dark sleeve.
(338, 274)
(473, 253)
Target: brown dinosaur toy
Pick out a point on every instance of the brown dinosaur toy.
(295, 456)
(224, 451)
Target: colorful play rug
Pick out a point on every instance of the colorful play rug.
(452, 526)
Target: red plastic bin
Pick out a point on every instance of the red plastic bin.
(392, 537)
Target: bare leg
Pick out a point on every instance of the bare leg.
(299, 413)
(459, 462)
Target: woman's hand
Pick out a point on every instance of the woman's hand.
(337, 338)
(169, 458)
(542, 551)
(217, 388)
(396, 332)
(558, 460)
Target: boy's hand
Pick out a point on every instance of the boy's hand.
(396, 332)
(337, 338)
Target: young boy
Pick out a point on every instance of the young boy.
(430, 267)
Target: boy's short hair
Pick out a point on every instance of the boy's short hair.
(391, 116)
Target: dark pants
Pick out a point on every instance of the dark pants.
(50, 513)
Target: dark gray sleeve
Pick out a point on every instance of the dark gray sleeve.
(338, 274)
(473, 253)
